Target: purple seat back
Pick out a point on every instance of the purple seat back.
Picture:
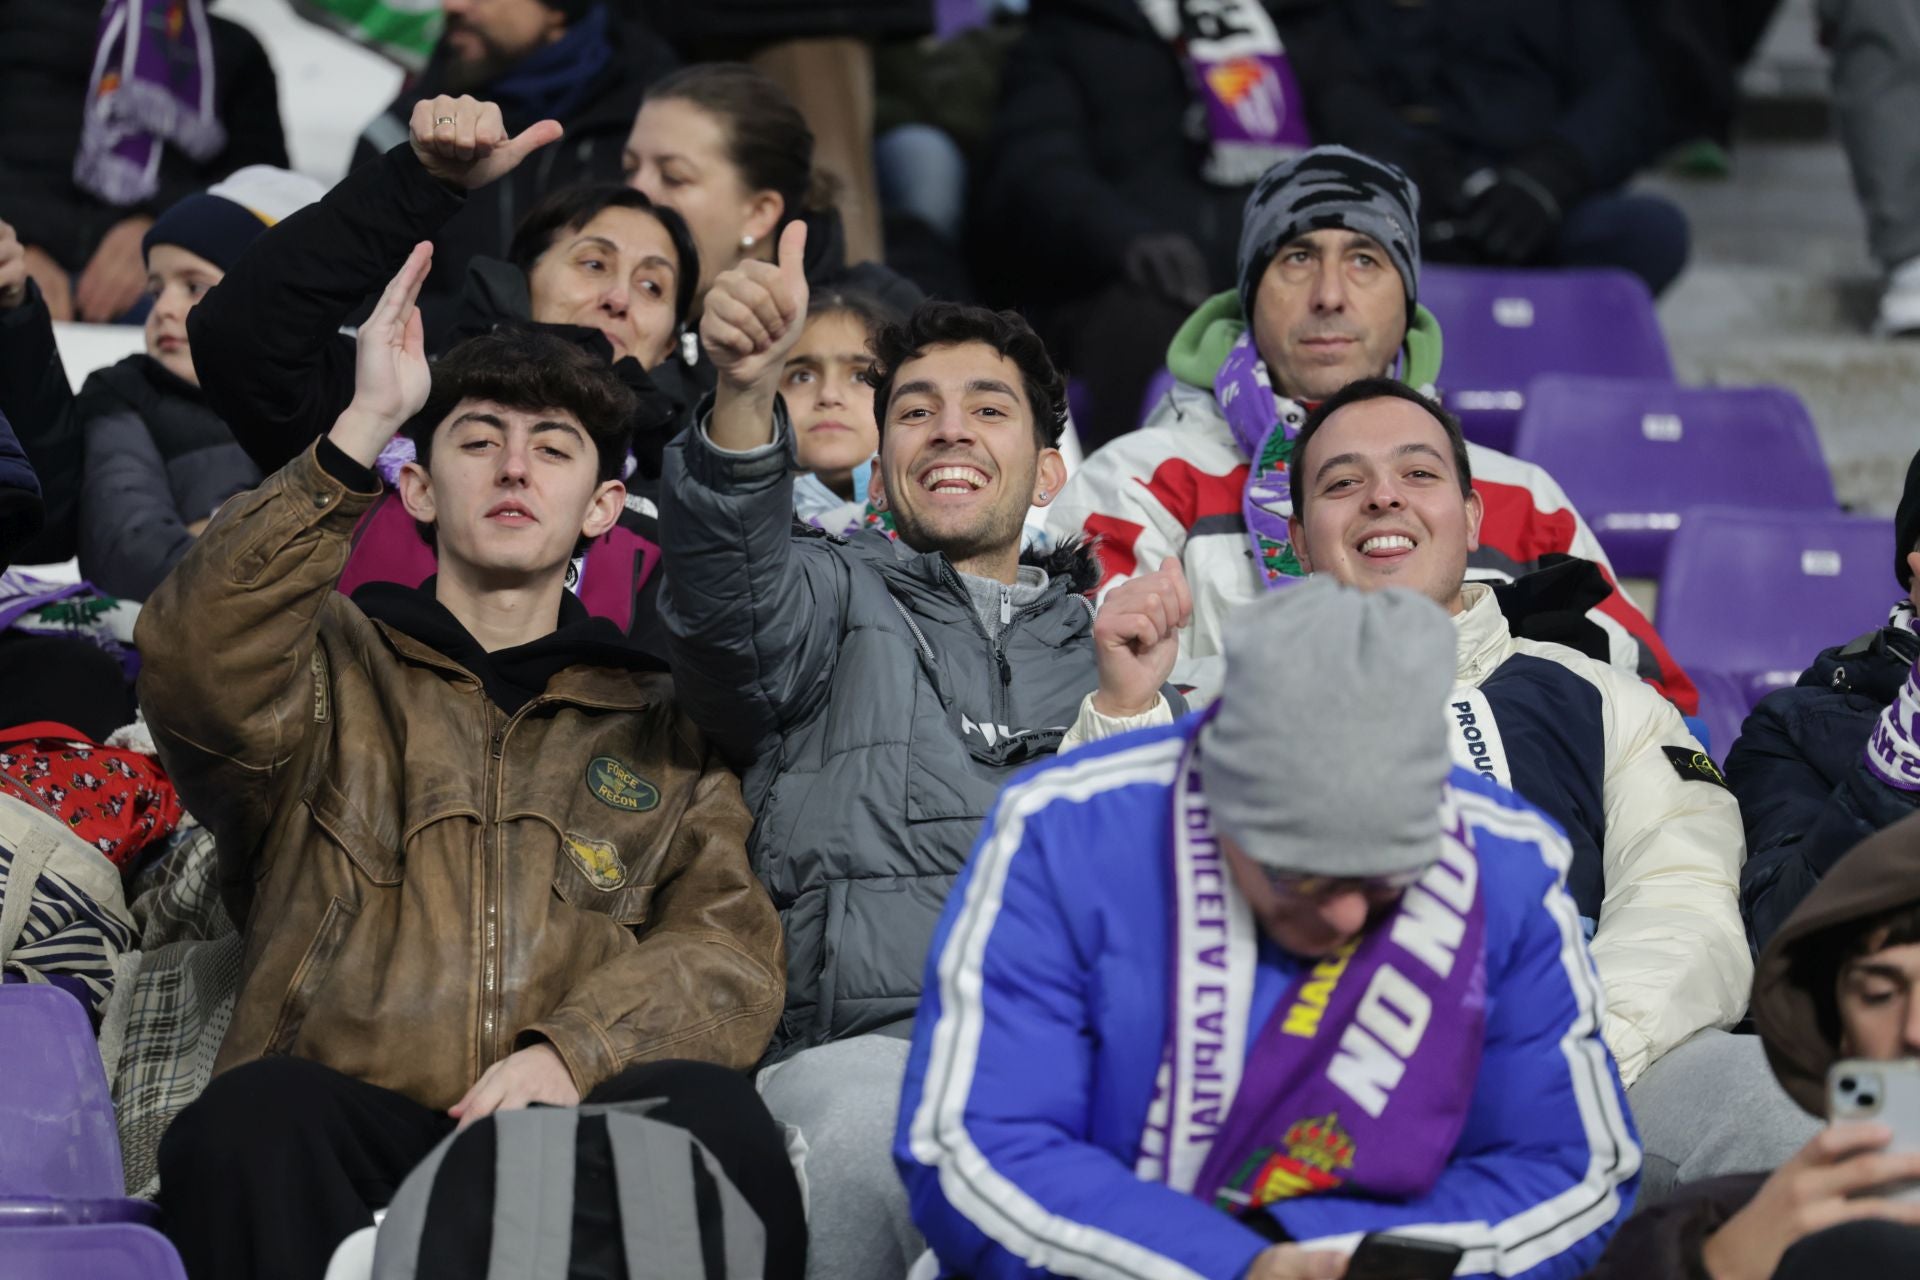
(1500, 329)
(117, 1252)
(1724, 704)
(1157, 387)
(1756, 594)
(57, 1133)
(951, 17)
(1633, 453)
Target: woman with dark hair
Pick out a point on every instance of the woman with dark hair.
(601, 265)
(725, 146)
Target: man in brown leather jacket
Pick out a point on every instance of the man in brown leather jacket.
(481, 858)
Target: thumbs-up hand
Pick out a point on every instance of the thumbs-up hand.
(463, 142)
(755, 313)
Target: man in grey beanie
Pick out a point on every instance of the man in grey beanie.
(1281, 997)
(1328, 292)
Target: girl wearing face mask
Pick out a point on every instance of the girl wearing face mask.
(828, 389)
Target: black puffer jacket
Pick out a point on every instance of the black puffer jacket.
(137, 456)
(46, 57)
(482, 225)
(1097, 140)
(1799, 769)
(158, 460)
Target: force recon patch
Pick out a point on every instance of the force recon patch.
(1695, 766)
(618, 787)
(598, 860)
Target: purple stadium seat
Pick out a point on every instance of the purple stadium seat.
(1724, 706)
(951, 17)
(1633, 453)
(119, 1252)
(1501, 328)
(1157, 387)
(59, 1147)
(1755, 595)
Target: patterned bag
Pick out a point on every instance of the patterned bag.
(117, 801)
(63, 914)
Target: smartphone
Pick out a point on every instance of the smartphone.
(1382, 1256)
(1887, 1093)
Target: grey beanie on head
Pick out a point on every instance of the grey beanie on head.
(1329, 750)
(1330, 187)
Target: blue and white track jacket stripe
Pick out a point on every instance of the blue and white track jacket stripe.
(1045, 1008)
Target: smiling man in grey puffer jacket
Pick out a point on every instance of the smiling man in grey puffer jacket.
(877, 693)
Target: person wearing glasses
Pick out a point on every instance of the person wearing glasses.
(1295, 977)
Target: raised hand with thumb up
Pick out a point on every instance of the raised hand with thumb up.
(754, 315)
(464, 142)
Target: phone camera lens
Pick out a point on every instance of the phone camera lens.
(1848, 1084)
(1866, 1100)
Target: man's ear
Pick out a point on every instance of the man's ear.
(1296, 535)
(416, 492)
(877, 486)
(1049, 477)
(1913, 568)
(1476, 510)
(609, 500)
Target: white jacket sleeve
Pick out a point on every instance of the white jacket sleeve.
(1091, 726)
(1670, 947)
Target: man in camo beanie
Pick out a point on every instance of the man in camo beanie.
(1333, 187)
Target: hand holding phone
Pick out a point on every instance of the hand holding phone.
(1829, 1181)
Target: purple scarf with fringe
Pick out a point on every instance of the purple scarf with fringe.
(152, 84)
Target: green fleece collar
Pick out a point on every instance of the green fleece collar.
(1200, 347)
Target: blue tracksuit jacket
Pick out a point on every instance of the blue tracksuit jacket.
(1045, 1008)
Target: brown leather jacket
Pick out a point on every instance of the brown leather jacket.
(428, 883)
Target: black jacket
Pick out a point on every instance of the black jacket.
(1450, 85)
(37, 399)
(1092, 146)
(46, 58)
(596, 135)
(1799, 770)
(20, 506)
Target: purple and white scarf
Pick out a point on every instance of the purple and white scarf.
(152, 84)
(1244, 391)
(1893, 748)
(1359, 1081)
(1255, 114)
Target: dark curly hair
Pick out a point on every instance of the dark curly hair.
(940, 324)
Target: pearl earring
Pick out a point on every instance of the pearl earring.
(746, 242)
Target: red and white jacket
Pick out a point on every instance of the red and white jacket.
(1173, 488)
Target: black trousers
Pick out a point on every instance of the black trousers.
(282, 1159)
(1869, 1248)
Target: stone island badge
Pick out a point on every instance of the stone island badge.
(597, 859)
(615, 785)
(1695, 766)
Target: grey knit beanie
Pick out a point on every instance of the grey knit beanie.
(1329, 750)
(1330, 187)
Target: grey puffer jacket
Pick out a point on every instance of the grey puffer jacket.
(873, 719)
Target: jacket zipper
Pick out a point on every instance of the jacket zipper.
(493, 874)
(490, 897)
(1003, 704)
